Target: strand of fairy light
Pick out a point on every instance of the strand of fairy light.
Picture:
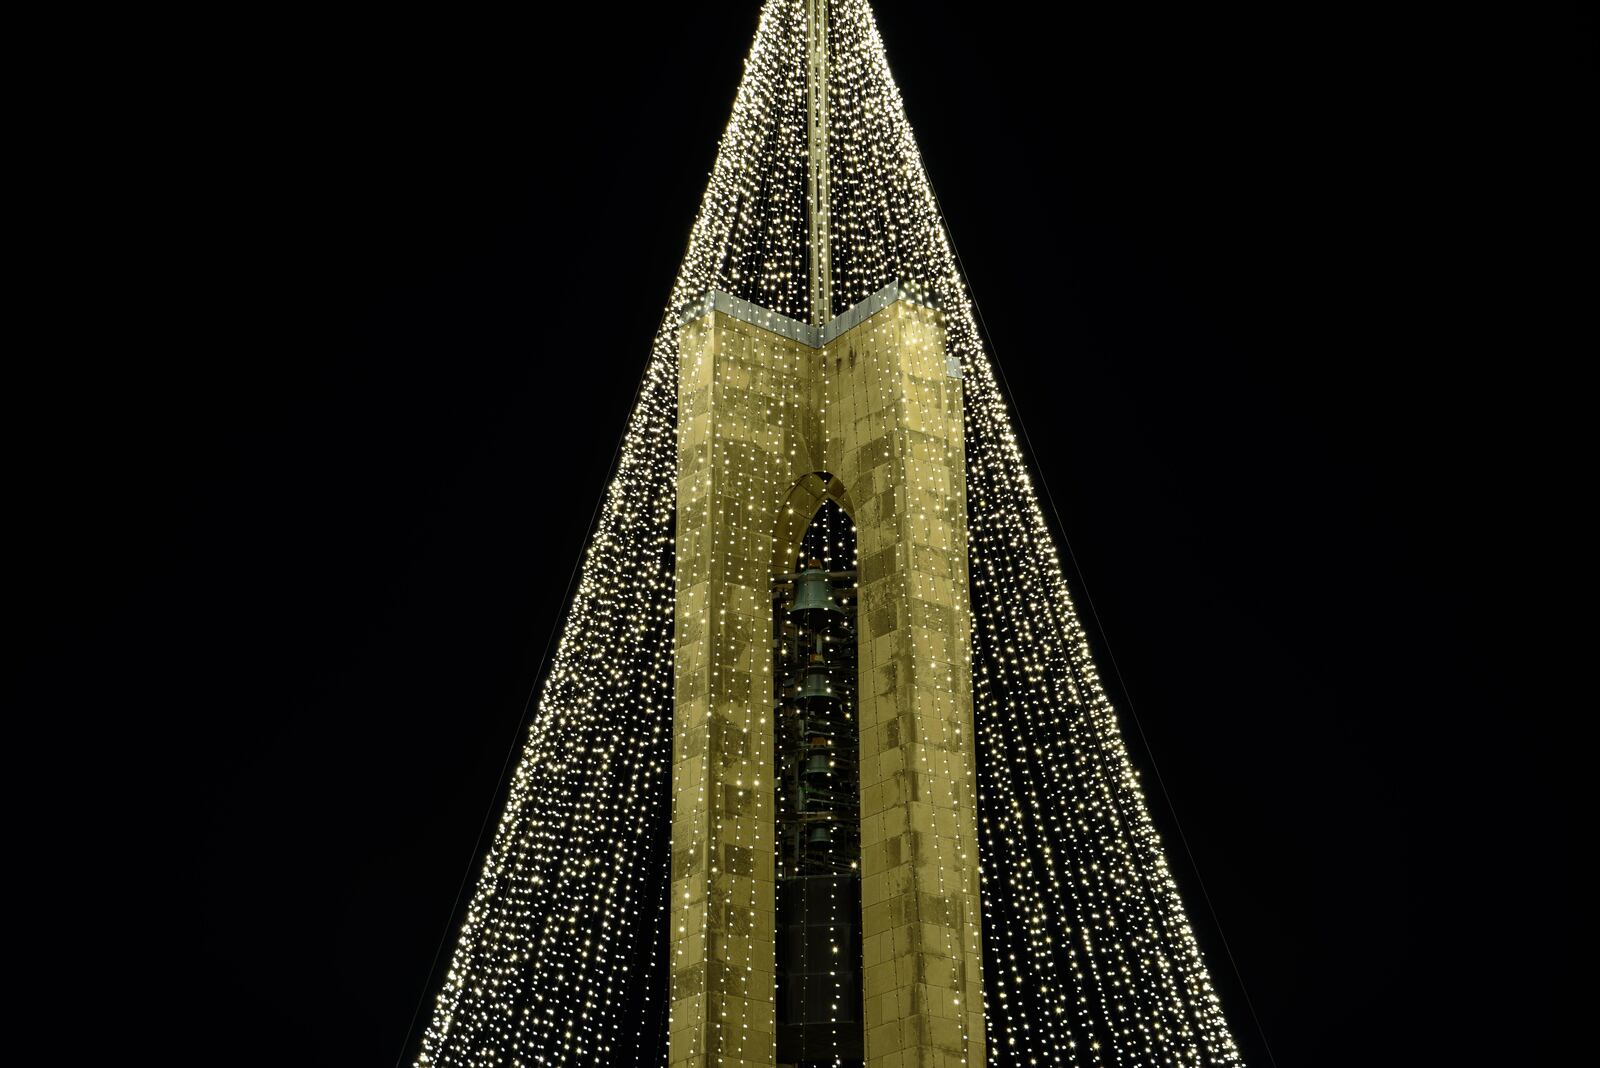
(1081, 912)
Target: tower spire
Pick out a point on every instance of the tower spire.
(817, 159)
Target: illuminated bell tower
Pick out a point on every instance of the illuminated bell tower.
(782, 558)
(776, 418)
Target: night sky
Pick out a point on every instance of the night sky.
(342, 320)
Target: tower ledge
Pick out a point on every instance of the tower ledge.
(813, 336)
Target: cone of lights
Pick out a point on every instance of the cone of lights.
(1088, 958)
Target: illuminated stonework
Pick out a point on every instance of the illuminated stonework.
(768, 427)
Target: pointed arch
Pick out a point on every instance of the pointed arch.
(799, 506)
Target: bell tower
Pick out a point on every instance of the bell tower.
(776, 420)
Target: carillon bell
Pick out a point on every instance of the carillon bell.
(812, 598)
(820, 834)
(820, 762)
(818, 687)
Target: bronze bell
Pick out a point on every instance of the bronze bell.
(819, 762)
(820, 834)
(817, 688)
(812, 598)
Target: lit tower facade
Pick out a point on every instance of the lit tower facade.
(822, 771)
(776, 419)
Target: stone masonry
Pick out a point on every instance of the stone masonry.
(773, 418)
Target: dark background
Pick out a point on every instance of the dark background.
(339, 321)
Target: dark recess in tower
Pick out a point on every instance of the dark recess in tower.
(818, 804)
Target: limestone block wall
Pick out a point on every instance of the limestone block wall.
(739, 389)
(760, 413)
(894, 436)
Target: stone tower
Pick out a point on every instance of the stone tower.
(775, 417)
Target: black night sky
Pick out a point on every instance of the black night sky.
(340, 321)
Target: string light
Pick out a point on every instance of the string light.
(1088, 956)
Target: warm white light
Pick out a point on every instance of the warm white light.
(1089, 954)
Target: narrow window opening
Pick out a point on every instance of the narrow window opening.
(818, 800)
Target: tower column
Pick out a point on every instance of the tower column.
(892, 409)
(736, 398)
